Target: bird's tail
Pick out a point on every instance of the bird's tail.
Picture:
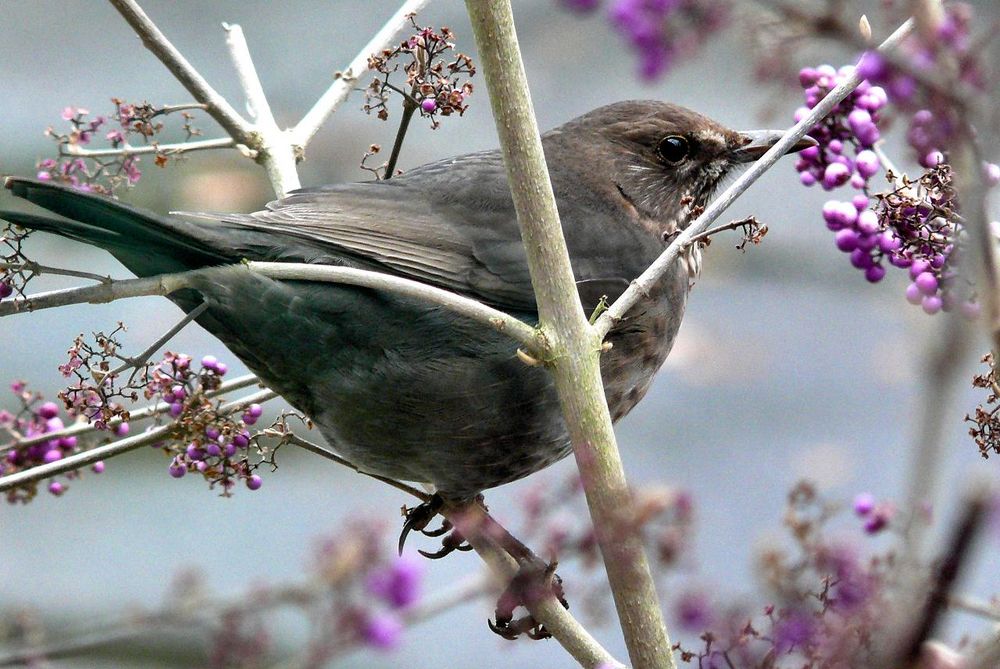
(145, 242)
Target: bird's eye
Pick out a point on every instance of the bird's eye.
(673, 149)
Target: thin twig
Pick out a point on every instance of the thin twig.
(976, 606)
(115, 448)
(316, 449)
(215, 105)
(344, 83)
(409, 107)
(136, 361)
(652, 275)
(34, 268)
(732, 225)
(164, 149)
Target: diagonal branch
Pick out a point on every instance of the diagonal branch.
(654, 272)
(153, 38)
(345, 80)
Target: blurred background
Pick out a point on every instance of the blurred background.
(789, 364)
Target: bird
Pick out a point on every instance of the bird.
(407, 389)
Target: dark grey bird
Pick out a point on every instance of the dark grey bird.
(406, 389)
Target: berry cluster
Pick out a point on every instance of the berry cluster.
(913, 226)
(876, 515)
(34, 419)
(204, 439)
(846, 136)
(434, 83)
(99, 392)
(107, 174)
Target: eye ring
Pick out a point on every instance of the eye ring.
(673, 149)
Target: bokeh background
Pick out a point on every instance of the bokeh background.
(788, 366)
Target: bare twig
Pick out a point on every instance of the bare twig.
(344, 83)
(164, 149)
(115, 448)
(644, 283)
(36, 269)
(217, 107)
(316, 449)
(136, 361)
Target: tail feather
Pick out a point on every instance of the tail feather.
(144, 242)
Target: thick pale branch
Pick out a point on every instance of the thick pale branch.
(502, 322)
(342, 86)
(115, 448)
(153, 38)
(652, 275)
(574, 352)
(517, 330)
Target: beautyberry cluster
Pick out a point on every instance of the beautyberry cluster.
(104, 174)
(204, 439)
(911, 226)
(27, 447)
(661, 32)
(99, 392)
(434, 84)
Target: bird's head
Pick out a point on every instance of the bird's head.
(664, 160)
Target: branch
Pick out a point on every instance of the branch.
(277, 153)
(166, 284)
(167, 149)
(574, 344)
(113, 449)
(153, 39)
(652, 275)
(344, 82)
(498, 320)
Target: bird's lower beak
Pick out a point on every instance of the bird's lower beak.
(759, 141)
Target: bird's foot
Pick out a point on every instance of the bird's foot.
(419, 517)
(535, 580)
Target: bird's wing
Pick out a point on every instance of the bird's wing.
(450, 223)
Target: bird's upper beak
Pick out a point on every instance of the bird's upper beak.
(759, 141)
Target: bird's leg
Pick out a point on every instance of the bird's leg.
(534, 581)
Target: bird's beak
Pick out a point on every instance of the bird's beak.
(759, 141)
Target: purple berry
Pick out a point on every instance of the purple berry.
(836, 174)
(864, 503)
(98, 467)
(913, 294)
(846, 240)
(177, 469)
(428, 105)
(176, 409)
(254, 482)
(209, 362)
(121, 429)
(57, 488)
(868, 222)
(213, 449)
(867, 163)
(875, 273)
(255, 410)
(927, 283)
(52, 456)
(931, 304)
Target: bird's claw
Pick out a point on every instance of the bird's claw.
(534, 581)
(451, 542)
(418, 518)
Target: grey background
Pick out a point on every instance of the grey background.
(788, 365)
